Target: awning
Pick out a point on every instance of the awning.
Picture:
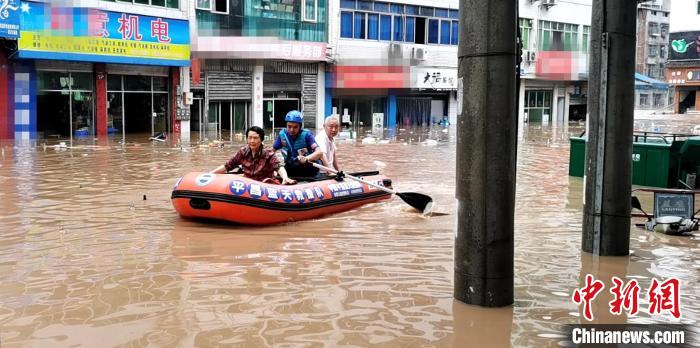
(646, 82)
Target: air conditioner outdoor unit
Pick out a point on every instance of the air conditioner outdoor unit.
(420, 53)
(395, 50)
(532, 56)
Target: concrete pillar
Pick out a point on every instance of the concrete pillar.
(258, 96)
(521, 108)
(5, 111)
(606, 214)
(321, 96)
(391, 110)
(677, 101)
(174, 97)
(101, 100)
(486, 153)
(185, 122)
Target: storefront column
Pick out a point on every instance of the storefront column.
(174, 83)
(23, 87)
(258, 96)
(101, 99)
(391, 110)
(329, 93)
(677, 101)
(4, 97)
(321, 97)
(185, 122)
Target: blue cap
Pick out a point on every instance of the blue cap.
(294, 116)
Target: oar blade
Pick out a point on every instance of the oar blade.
(421, 202)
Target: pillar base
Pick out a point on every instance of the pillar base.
(485, 292)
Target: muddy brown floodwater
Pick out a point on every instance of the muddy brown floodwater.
(86, 261)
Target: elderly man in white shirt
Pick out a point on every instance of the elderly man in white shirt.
(325, 141)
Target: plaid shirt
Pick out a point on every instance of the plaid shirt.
(259, 167)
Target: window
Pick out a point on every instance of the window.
(538, 105)
(427, 11)
(433, 30)
(653, 51)
(653, 29)
(455, 33)
(386, 21)
(658, 99)
(381, 7)
(398, 28)
(346, 24)
(662, 51)
(555, 36)
(698, 7)
(350, 4)
(410, 29)
(220, 6)
(359, 28)
(385, 28)
(445, 30)
(309, 10)
(373, 26)
(420, 30)
(525, 28)
(664, 30)
(651, 70)
(586, 39)
(643, 99)
(442, 13)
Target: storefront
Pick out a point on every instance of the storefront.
(406, 97)
(113, 74)
(9, 32)
(226, 92)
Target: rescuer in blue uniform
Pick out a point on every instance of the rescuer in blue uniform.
(298, 147)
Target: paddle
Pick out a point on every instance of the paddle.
(419, 201)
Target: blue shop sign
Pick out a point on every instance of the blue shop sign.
(9, 18)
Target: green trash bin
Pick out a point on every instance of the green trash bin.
(653, 162)
(577, 156)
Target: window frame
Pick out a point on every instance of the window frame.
(228, 9)
(303, 12)
(196, 5)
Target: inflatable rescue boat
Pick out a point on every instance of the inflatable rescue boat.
(237, 199)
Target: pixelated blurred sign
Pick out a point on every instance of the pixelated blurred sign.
(674, 204)
(9, 18)
(87, 34)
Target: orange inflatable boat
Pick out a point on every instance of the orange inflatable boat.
(241, 200)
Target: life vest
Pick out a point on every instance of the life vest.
(291, 149)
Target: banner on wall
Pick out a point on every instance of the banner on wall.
(94, 35)
(9, 18)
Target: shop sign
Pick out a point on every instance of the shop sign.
(9, 18)
(427, 78)
(94, 35)
(684, 45)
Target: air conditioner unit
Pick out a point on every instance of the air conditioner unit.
(532, 56)
(420, 53)
(395, 50)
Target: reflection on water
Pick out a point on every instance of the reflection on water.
(93, 254)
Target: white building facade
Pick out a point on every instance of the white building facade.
(556, 40)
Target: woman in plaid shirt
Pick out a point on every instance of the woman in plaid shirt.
(257, 162)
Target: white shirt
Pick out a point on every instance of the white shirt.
(327, 147)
